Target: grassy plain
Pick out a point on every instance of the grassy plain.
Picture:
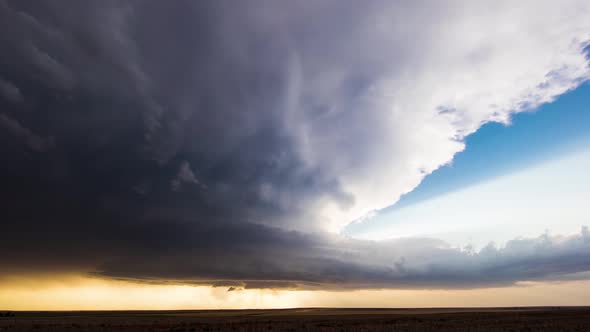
(555, 319)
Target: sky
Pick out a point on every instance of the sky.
(533, 170)
(269, 153)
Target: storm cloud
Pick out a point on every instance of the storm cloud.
(226, 142)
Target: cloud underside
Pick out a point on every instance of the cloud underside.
(255, 256)
(223, 143)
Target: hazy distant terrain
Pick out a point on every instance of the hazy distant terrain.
(307, 319)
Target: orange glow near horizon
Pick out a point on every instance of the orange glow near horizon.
(73, 292)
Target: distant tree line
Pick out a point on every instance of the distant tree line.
(7, 314)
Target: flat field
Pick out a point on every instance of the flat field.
(553, 319)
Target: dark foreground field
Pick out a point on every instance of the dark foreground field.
(311, 319)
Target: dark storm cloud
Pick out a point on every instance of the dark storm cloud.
(10, 92)
(324, 262)
(134, 91)
(151, 140)
(154, 113)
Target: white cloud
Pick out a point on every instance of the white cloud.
(432, 263)
(435, 76)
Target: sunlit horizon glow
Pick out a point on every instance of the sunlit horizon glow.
(77, 292)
